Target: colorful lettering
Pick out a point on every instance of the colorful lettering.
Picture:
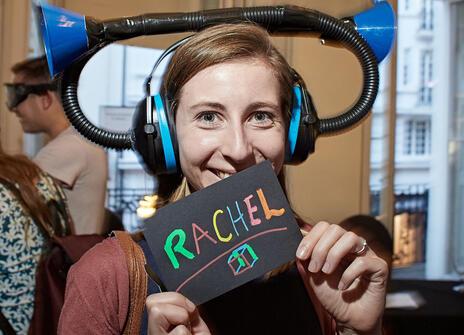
(240, 218)
(269, 213)
(221, 238)
(203, 234)
(179, 247)
(251, 210)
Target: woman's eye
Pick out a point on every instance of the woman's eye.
(263, 118)
(207, 118)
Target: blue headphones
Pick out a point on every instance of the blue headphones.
(155, 137)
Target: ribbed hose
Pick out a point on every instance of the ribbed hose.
(108, 139)
(281, 19)
(264, 16)
(337, 30)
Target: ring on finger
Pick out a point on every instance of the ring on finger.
(363, 249)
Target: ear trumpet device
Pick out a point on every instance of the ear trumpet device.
(71, 40)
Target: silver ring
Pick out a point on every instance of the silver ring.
(363, 249)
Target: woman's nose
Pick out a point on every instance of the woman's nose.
(237, 147)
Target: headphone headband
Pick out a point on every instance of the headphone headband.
(165, 54)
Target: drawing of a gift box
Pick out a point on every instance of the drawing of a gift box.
(242, 259)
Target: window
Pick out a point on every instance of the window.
(427, 15)
(118, 73)
(439, 178)
(417, 137)
(406, 61)
(426, 74)
(456, 144)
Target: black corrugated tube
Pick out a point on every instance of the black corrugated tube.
(280, 19)
(370, 77)
(106, 138)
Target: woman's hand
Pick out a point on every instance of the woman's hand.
(350, 285)
(172, 313)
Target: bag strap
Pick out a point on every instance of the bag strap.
(135, 260)
(5, 325)
(61, 206)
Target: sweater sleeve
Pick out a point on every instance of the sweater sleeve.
(97, 292)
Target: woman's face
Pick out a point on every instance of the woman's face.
(229, 118)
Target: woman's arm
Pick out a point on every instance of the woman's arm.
(97, 292)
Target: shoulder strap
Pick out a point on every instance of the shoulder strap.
(135, 260)
(60, 207)
(5, 325)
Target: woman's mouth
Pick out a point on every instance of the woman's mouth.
(222, 174)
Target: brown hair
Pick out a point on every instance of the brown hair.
(33, 68)
(23, 173)
(215, 45)
(220, 44)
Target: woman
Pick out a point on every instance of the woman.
(25, 224)
(230, 95)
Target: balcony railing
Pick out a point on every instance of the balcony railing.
(124, 202)
(408, 199)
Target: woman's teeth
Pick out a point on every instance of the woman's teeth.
(222, 175)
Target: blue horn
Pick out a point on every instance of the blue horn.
(377, 25)
(64, 36)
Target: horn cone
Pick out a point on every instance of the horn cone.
(64, 36)
(377, 26)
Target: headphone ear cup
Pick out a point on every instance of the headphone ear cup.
(172, 131)
(301, 134)
(148, 140)
(167, 135)
(144, 134)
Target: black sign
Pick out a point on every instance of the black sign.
(225, 235)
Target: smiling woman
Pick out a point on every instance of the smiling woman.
(225, 122)
(223, 126)
(232, 97)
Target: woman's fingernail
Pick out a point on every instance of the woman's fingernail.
(312, 266)
(326, 268)
(301, 251)
(341, 285)
(191, 306)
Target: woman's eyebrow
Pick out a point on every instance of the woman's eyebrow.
(252, 106)
(214, 105)
(257, 105)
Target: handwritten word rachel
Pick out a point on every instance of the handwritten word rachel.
(174, 244)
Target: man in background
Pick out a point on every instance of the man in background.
(79, 165)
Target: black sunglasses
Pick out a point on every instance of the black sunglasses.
(17, 93)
